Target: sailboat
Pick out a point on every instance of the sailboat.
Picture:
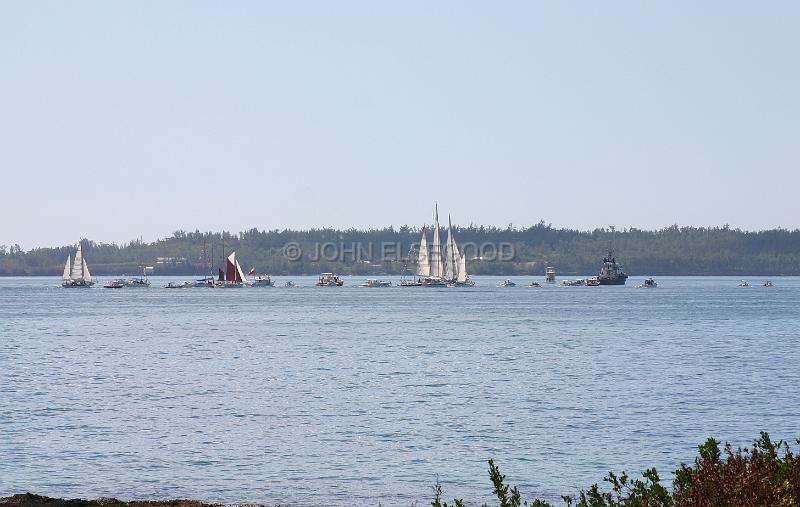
(232, 277)
(455, 264)
(76, 272)
(430, 269)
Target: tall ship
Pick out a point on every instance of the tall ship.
(76, 272)
(611, 273)
(437, 268)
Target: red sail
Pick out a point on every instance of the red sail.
(230, 268)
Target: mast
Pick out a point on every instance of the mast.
(436, 247)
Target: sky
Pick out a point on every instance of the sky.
(127, 119)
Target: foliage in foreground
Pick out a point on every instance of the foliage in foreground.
(765, 475)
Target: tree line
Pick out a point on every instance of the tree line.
(672, 250)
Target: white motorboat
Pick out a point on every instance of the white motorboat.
(649, 283)
(372, 282)
(329, 280)
(573, 283)
(744, 283)
(550, 274)
(592, 281)
(767, 284)
(535, 284)
(179, 285)
(119, 283)
(76, 273)
(507, 283)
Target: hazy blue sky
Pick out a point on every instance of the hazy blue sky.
(120, 119)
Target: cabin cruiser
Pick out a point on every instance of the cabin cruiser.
(507, 283)
(767, 284)
(744, 283)
(433, 281)
(179, 285)
(138, 281)
(649, 283)
(573, 283)
(550, 274)
(263, 281)
(116, 284)
(592, 281)
(329, 280)
(372, 282)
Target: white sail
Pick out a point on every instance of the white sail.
(436, 248)
(423, 266)
(462, 269)
(67, 266)
(77, 265)
(450, 255)
(239, 272)
(87, 277)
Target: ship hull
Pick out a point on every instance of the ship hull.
(613, 281)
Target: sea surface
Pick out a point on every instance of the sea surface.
(353, 396)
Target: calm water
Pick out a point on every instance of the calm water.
(355, 396)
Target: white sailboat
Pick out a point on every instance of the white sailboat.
(455, 263)
(76, 274)
(430, 267)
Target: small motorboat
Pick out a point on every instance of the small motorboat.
(744, 283)
(592, 281)
(649, 283)
(116, 284)
(767, 284)
(329, 280)
(205, 282)
(573, 283)
(535, 284)
(372, 282)
(263, 281)
(507, 283)
(179, 285)
(137, 282)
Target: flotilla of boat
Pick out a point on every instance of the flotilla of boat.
(435, 267)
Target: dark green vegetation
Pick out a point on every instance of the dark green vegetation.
(765, 475)
(670, 251)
